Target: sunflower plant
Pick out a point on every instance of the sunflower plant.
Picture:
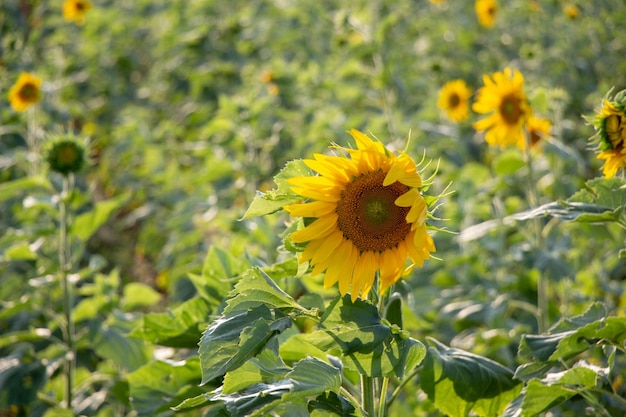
(358, 215)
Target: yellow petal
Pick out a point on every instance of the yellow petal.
(316, 230)
(312, 209)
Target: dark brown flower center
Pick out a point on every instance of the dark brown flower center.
(454, 100)
(28, 92)
(511, 109)
(367, 213)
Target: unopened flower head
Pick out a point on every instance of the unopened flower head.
(25, 92)
(504, 100)
(65, 155)
(369, 216)
(610, 125)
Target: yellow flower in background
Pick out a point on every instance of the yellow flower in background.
(503, 98)
(75, 10)
(486, 12)
(368, 216)
(536, 129)
(571, 10)
(610, 124)
(25, 91)
(454, 100)
(436, 1)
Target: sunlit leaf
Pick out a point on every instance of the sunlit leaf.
(86, 224)
(256, 288)
(180, 327)
(458, 381)
(20, 186)
(231, 340)
(137, 295)
(274, 200)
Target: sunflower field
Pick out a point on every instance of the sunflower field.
(298, 208)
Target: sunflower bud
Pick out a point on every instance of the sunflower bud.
(66, 155)
(610, 125)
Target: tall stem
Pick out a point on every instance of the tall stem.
(542, 283)
(65, 266)
(367, 395)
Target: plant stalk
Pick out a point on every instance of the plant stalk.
(367, 395)
(64, 264)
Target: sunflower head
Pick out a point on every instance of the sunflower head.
(610, 126)
(366, 215)
(486, 12)
(536, 129)
(75, 10)
(504, 100)
(25, 92)
(454, 100)
(65, 155)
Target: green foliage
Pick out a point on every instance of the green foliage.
(186, 295)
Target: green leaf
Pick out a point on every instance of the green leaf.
(180, 327)
(233, 339)
(274, 200)
(193, 402)
(329, 404)
(266, 366)
(86, 224)
(111, 341)
(217, 272)
(256, 288)
(312, 376)
(458, 381)
(508, 162)
(309, 377)
(16, 368)
(555, 388)
(138, 295)
(159, 385)
(20, 186)
(19, 252)
(571, 336)
(354, 332)
(605, 192)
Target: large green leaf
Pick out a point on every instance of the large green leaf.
(355, 333)
(159, 385)
(218, 270)
(571, 336)
(274, 200)
(180, 327)
(111, 341)
(86, 224)
(267, 366)
(231, 340)
(137, 295)
(458, 381)
(555, 388)
(309, 377)
(20, 186)
(256, 288)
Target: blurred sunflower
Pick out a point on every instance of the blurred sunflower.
(486, 12)
(536, 129)
(454, 100)
(368, 216)
(610, 124)
(504, 98)
(25, 91)
(75, 10)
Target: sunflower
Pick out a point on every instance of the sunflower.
(25, 91)
(504, 98)
(368, 216)
(536, 129)
(454, 100)
(486, 12)
(75, 10)
(610, 124)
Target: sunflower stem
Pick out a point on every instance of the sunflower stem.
(382, 402)
(542, 282)
(64, 264)
(367, 395)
